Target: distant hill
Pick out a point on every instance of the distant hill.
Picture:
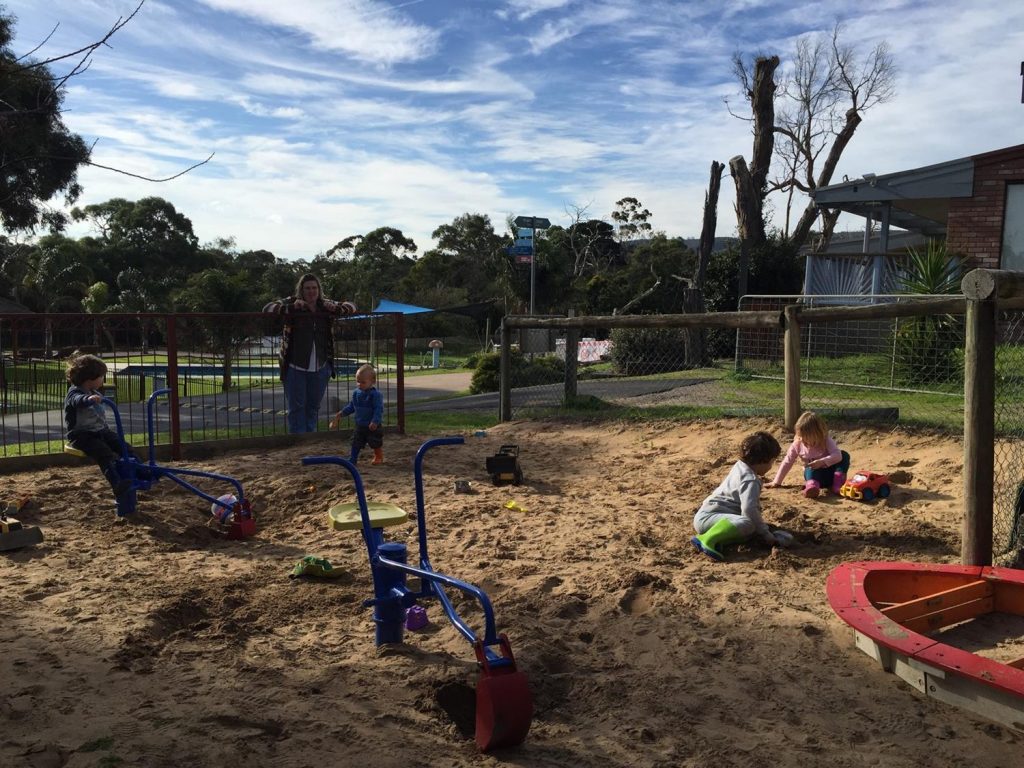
(720, 244)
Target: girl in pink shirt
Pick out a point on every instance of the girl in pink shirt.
(825, 466)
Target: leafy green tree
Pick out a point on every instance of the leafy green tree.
(150, 236)
(363, 268)
(58, 276)
(40, 156)
(775, 268)
(215, 290)
(631, 219)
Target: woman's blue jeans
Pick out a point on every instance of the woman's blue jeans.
(304, 391)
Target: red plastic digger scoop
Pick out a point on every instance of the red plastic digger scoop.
(504, 708)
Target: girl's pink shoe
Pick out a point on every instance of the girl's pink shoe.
(812, 489)
(838, 479)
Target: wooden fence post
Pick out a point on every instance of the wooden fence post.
(791, 364)
(979, 431)
(505, 375)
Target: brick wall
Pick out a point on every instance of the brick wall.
(975, 225)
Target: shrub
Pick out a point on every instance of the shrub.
(540, 370)
(926, 347)
(640, 351)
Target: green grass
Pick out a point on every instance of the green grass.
(447, 422)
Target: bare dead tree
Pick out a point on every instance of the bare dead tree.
(584, 236)
(693, 294)
(818, 106)
(710, 224)
(759, 89)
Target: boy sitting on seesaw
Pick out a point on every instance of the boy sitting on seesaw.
(86, 422)
(732, 513)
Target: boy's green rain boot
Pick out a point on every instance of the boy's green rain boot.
(721, 533)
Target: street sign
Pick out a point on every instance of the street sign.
(522, 250)
(535, 222)
(524, 259)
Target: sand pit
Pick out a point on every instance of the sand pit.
(156, 643)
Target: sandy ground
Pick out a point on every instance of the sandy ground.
(156, 642)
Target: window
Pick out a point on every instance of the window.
(1013, 228)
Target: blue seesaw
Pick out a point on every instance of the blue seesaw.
(504, 707)
(235, 513)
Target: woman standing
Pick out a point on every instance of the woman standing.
(307, 349)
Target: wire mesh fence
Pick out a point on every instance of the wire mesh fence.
(906, 370)
(223, 369)
(671, 369)
(896, 364)
(1008, 481)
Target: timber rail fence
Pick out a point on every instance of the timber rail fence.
(967, 350)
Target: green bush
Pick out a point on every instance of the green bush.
(541, 370)
(641, 351)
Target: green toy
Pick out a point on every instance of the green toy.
(319, 567)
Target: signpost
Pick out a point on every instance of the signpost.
(533, 223)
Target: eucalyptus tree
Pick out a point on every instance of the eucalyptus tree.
(39, 156)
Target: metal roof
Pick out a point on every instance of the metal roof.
(918, 199)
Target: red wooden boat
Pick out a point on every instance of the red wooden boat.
(895, 608)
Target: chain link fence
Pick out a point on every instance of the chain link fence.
(890, 370)
(871, 360)
(1008, 481)
(906, 370)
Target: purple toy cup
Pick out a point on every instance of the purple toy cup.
(416, 617)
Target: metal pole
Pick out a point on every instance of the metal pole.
(533, 264)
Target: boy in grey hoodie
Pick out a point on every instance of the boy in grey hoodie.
(86, 421)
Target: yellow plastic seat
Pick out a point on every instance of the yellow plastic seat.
(72, 451)
(346, 516)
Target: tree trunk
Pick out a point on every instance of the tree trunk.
(748, 203)
(829, 217)
(762, 106)
(707, 232)
(226, 369)
(693, 300)
(803, 227)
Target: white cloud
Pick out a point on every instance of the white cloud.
(525, 9)
(363, 29)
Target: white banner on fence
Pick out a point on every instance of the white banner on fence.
(588, 350)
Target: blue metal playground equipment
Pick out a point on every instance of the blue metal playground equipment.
(504, 708)
(236, 516)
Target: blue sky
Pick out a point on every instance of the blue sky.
(333, 117)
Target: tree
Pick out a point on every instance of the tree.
(592, 243)
(149, 236)
(827, 93)
(39, 156)
(813, 115)
(216, 291)
(58, 276)
(366, 267)
(632, 220)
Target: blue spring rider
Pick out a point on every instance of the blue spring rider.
(504, 707)
(235, 515)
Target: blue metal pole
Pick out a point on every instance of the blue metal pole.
(388, 589)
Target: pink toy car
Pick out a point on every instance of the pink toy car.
(865, 486)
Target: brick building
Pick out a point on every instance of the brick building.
(975, 203)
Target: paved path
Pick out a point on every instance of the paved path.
(252, 409)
